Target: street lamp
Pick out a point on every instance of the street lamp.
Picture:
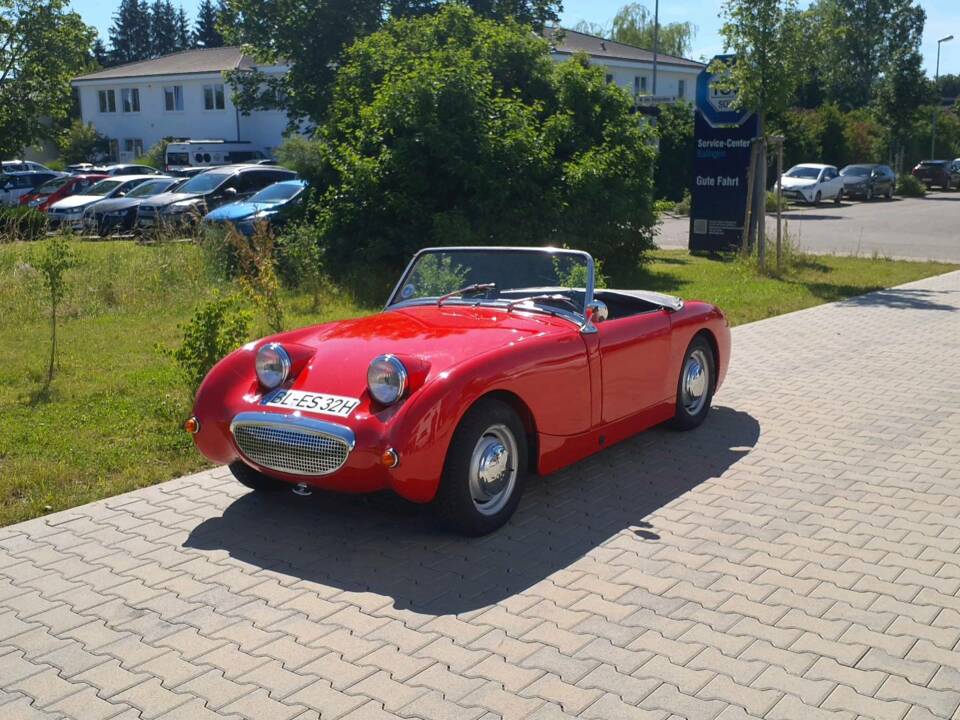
(936, 79)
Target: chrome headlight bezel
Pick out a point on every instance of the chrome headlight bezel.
(387, 379)
(272, 365)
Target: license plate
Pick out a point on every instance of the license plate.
(311, 402)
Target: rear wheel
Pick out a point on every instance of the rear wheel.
(890, 192)
(255, 480)
(483, 474)
(696, 385)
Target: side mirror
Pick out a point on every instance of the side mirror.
(230, 192)
(597, 312)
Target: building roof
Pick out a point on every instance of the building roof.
(570, 42)
(187, 62)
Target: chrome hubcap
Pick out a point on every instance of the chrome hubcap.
(493, 470)
(695, 382)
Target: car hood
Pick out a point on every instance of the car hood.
(855, 179)
(428, 338)
(76, 201)
(169, 198)
(790, 182)
(240, 211)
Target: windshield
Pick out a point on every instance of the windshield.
(809, 173)
(514, 273)
(205, 182)
(855, 171)
(152, 187)
(104, 187)
(51, 186)
(276, 193)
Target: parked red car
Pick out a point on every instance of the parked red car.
(59, 188)
(486, 363)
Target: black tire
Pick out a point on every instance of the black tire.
(255, 480)
(868, 195)
(890, 193)
(454, 504)
(817, 198)
(684, 418)
(838, 198)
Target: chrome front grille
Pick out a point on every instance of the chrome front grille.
(294, 445)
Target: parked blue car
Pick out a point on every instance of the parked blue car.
(272, 205)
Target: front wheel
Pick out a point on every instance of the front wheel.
(483, 474)
(838, 198)
(255, 480)
(696, 385)
(869, 194)
(818, 198)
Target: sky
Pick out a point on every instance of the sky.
(943, 18)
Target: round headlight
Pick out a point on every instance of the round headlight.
(386, 379)
(273, 365)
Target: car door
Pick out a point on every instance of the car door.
(633, 363)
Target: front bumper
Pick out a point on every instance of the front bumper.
(64, 221)
(798, 194)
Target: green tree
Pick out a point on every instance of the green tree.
(452, 129)
(538, 13)
(674, 168)
(206, 32)
(163, 28)
(633, 25)
(130, 36)
(81, 143)
(185, 39)
(52, 261)
(42, 46)
(764, 36)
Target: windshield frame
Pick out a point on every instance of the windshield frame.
(581, 319)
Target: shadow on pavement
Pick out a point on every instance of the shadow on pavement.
(902, 298)
(383, 545)
(805, 216)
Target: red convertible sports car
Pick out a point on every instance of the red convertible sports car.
(487, 363)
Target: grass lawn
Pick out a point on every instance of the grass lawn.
(110, 422)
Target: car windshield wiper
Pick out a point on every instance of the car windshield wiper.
(469, 289)
(543, 298)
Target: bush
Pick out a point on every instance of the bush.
(156, 156)
(450, 129)
(674, 169)
(683, 207)
(216, 328)
(81, 143)
(257, 271)
(22, 223)
(301, 262)
(771, 202)
(909, 186)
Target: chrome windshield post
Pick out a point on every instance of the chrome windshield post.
(588, 328)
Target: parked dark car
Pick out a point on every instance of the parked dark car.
(119, 214)
(206, 191)
(943, 173)
(868, 181)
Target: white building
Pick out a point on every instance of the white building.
(631, 67)
(184, 95)
(181, 96)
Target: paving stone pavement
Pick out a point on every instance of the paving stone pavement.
(796, 557)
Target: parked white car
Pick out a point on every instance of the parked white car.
(68, 213)
(812, 183)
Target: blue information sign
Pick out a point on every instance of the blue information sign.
(723, 138)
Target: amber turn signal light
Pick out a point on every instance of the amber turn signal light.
(390, 458)
(192, 425)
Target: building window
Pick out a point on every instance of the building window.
(133, 146)
(173, 98)
(130, 100)
(681, 88)
(108, 101)
(213, 97)
(640, 85)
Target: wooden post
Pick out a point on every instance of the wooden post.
(748, 211)
(762, 207)
(779, 195)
